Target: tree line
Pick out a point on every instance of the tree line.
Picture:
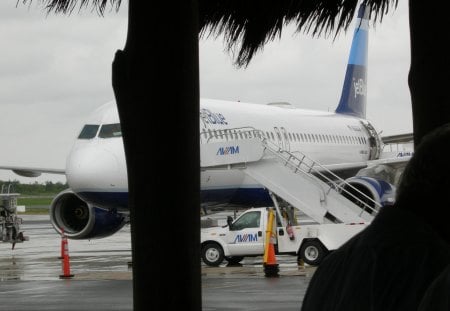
(35, 188)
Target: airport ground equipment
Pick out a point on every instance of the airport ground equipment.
(339, 208)
(297, 179)
(9, 221)
(245, 237)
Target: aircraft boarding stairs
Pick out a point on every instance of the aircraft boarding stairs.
(297, 179)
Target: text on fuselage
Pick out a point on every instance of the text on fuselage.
(209, 117)
(227, 150)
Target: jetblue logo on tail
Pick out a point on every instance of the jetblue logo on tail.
(228, 150)
(360, 87)
(248, 237)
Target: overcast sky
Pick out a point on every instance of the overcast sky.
(56, 69)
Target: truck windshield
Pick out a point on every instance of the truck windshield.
(248, 220)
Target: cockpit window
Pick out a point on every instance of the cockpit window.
(88, 132)
(110, 130)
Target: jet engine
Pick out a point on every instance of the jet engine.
(80, 220)
(363, 189)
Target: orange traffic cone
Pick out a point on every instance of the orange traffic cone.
(270, 261)
(63, 243)
(66, 262)
(270, 266)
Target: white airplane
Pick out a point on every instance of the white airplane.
(96, 204)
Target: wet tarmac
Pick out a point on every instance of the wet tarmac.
(38, 258)
(102, 276)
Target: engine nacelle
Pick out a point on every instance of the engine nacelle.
(80, 220)
(378, 190)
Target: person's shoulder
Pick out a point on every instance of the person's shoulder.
(399, 219)
(352, 250)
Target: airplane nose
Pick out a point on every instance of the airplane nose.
(92, 168)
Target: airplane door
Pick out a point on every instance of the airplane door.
(374, 141)
(282, 138)
(287, 145)
(279, 137)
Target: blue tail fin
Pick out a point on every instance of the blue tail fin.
(354, 91)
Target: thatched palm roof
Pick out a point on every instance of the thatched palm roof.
(253, 23)
(67, 6)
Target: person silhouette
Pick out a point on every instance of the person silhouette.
(391, 263)
(437, 296)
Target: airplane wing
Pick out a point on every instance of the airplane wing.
(32, 171)
(398, 139)
(388, 169)
(389, 161)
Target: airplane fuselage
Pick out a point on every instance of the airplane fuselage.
(328, 138)
(96, 168)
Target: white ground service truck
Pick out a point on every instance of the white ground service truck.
(245, 237)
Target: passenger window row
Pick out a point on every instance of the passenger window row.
(292, 137)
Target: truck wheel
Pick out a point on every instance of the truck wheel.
(212, 254)
(312, 252)
(234, 260)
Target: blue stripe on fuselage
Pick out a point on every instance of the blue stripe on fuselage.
(246, 197)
